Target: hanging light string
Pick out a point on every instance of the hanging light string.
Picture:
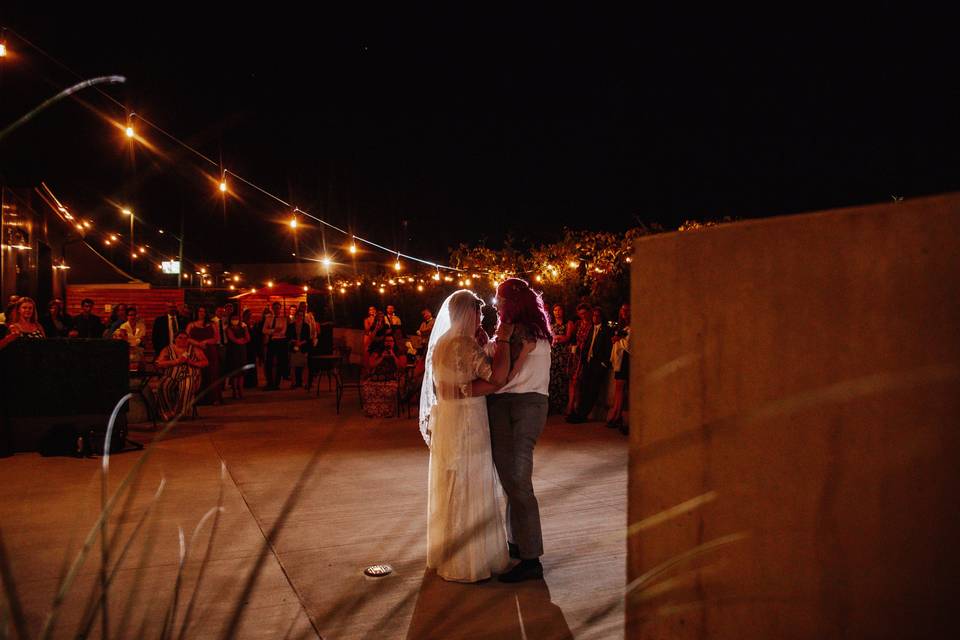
(247, 182)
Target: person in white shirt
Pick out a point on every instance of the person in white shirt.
(518, 413)
(394, 322)
(275, 333)
(133, 331)
(620, 360)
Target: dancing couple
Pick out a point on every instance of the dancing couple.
(482, 408)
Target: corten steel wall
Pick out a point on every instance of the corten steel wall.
(795, 439)
(150, 302)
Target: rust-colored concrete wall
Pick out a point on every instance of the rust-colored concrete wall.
(795, 438)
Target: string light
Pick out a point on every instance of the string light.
(3, 50)
(87, 224)
(236, 278)
(326, 262)
(270, 283)
(353, 246)
(306, 288)
(573, 265)
(467, 282)
(107, 242)
(293, 222)
(382, 289)
(343, 290)
(396, 265)
(419, 287)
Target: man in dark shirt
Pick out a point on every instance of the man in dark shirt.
(166, 327)
(596, 367)
(87, 325)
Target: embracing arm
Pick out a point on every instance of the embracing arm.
(524, 352)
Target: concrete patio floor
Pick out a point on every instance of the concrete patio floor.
(309, 500)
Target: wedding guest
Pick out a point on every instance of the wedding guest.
(26, 324)
(86, 324)
(394, 324)
(311, 321)
(203, 335)
(117, 317)
(185, 312)
(298, 337)
(563, 332)
(426, 327)
(167, 326)
(180, 362)
(275, 334)
(620, 361)
(235, 358)
(595, 365)
(256, 341)
(368, 323)
(133, 331)
(380, 387)
(577, 343)
(56, 323)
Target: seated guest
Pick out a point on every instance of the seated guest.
(56, 323)
(180, 363)
(167, 326)
(383, 357)
(380, 387)
(133, 331)
(86, 324)
(203, 335)
(26, 324)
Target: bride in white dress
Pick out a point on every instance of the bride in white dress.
(466, 541)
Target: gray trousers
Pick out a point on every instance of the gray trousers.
(516, 421)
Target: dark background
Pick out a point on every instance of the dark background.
(421, 129)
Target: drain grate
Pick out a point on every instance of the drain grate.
(378, 570)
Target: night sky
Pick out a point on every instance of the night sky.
(423, 130)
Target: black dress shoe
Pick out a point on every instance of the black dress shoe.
(514, 550)
(526, 570)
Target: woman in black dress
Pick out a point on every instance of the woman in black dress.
(238, 336)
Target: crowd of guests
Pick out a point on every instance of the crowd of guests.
(196, 350)
(198, 354)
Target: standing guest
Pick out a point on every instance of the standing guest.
(595, 365)
(620, 361)
(394, 324)
(117, 317)
(563, 333)
(186, 312)
(581, 333)
(133, 331)
(235, 358)
(275, 333)
(203, 335)
(368, 327)
(256, 340)
(56, 323)
(425, 327)
(26, 324)
(86, 324)
(311, 321)
(181, 363)
(166, 327)
(298, 337)
(219, 320)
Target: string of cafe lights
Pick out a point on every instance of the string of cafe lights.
(130, 131)
(463, 274)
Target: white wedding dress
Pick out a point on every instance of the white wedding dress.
(466, 541)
